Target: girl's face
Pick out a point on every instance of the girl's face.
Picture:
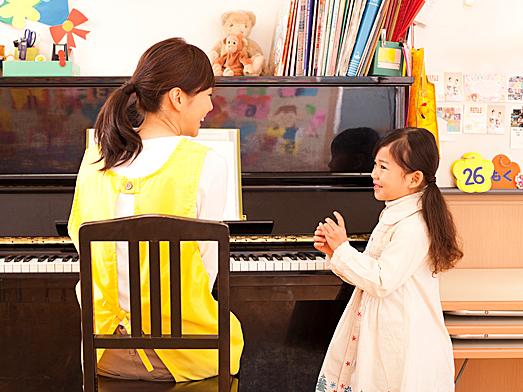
(390, 180)
(194, 111)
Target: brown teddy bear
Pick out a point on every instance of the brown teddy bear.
(240, 22)
(235, 58)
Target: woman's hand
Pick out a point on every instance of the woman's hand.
(334, 232)
(320, 242)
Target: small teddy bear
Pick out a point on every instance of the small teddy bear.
(235, 58)
(240, 22)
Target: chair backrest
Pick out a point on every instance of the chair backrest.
(153, 229)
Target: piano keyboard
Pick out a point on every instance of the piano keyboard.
(239, 262)
(39, 263)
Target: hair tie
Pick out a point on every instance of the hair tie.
(431, 180)
(129, 88)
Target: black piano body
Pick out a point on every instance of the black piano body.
(288, 316)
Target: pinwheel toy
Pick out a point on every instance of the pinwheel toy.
(69, 28)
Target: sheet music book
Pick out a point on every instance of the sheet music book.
(225, 142)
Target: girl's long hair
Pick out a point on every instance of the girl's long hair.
(165, 65)
(415, 149)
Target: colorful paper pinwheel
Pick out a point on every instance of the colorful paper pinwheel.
(68, 28)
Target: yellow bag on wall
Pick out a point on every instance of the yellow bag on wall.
(422, 100)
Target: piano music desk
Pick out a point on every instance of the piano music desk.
(497, 364)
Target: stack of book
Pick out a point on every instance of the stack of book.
(336, 37)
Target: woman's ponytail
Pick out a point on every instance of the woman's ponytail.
(114, 132)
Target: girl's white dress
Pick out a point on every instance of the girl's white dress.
(391, 337)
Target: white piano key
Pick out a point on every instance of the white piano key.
(278, 265)
(59, 267)
(295, 265)
(67, 267)
(17, 267)
(311, 266)
(303, 265)
(261, 265)
(8, 267)
(253, 266)
(285, 265)
(1, 266)
(75, 267)
(42, 266)
(244, 266)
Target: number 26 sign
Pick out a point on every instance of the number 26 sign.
(473, 173)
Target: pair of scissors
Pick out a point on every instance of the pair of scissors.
(30, 37)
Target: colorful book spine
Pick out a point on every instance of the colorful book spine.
(367, 21)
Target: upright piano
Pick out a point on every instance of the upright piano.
(306, 150)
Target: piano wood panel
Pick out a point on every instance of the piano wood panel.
(490, 226)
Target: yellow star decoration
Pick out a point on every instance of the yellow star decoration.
(20, 10)
(473, 173)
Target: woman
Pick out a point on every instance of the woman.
(155, 170)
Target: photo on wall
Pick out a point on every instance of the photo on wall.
(450, 118)
(453, 86)
(496, 119)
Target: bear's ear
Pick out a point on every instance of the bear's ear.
(225, 40)
(225, 16)
(251, 16)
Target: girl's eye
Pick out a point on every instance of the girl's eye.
(383, 167)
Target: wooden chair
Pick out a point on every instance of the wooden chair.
(154, 228)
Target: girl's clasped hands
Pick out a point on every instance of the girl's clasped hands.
(330, 234)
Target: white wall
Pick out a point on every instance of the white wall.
(486, 37)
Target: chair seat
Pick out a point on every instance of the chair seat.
(106, 384)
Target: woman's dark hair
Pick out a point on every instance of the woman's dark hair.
(415, 149)
(165, 65)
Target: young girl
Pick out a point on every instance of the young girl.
(392, 337)
(155, 170)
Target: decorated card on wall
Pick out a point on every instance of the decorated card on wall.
(475, 118)
(516, 127)
(496, 119)
(451, 118)
(484, 87)
(515, 88)
(437, 80)
(453, 82)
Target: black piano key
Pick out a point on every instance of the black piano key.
(75, 259)
(52, 258)
(301, 256)
(67, 259)
(28, 259)
(236, 257)
(291, 256)
(244, 257)
(278, 257)
(42, 258)
(18, 259)
(268, 256)
(310, 256)
(253, 257)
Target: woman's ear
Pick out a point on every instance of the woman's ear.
(416, 179)
(175, 96)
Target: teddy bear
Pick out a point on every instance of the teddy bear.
(240, 22)
(235, 58)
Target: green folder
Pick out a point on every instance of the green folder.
(388, 59)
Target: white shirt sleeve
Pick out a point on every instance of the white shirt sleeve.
(210, 204)
(399, 260)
